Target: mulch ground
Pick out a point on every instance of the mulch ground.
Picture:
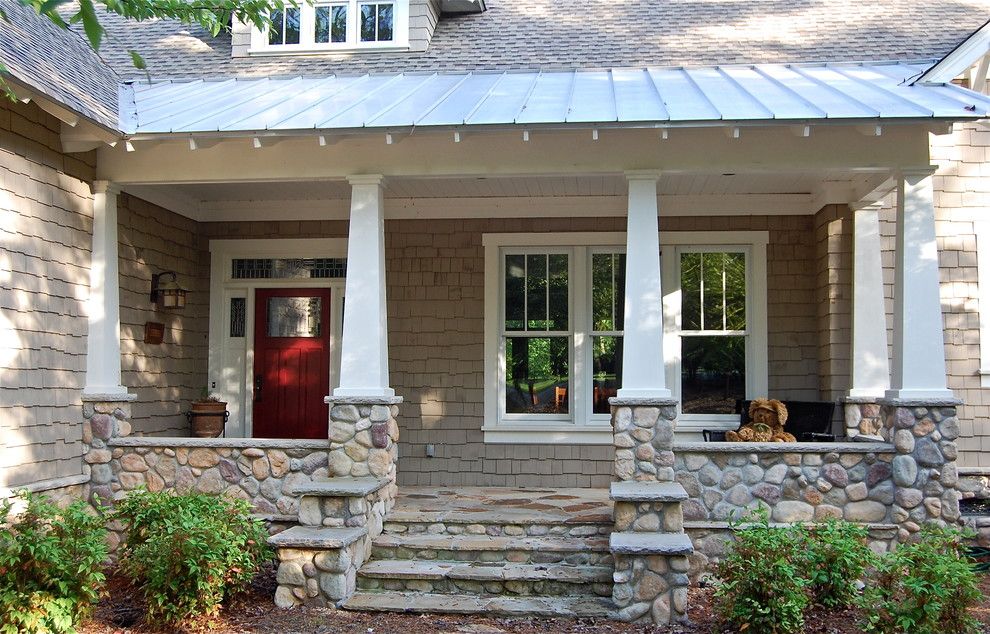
(122, 611)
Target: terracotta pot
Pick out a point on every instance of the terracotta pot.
(207, 418)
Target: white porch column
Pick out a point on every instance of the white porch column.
(103, 341)
(870, 367)
(919, 348)
(364, 345)
(642, 346)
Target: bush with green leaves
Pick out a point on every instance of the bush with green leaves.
(762, 586)
(189, 552)
(923, 587)
(51, 565)
(837, 557)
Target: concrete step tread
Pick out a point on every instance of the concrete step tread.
(317, 537)
(486, 543)
(340, 487)
(422, 602)
(629, 543)
(647, 492)
(432, 570)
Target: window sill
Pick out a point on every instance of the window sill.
(548, 434)
(288, 50)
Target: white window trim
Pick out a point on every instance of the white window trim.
(307, 24)
(982, 230)
(587, 428)
(223, 287)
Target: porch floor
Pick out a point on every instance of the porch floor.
(503, 505)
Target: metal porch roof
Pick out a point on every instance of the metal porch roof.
(613, 97)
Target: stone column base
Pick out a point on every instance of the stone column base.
(862, 418)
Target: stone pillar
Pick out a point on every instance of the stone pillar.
(642, 349)
(863, 419)
(924, 469)
(648, 543)
(103, 340)
(364, 438)
(104, 420)
(918, 372)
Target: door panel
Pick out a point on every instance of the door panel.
(292, 363)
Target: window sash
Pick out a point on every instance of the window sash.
(263, 39)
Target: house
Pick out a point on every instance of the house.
(569, 238)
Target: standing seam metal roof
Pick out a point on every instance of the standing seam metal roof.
(639, 96)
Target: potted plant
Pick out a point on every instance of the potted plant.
(207, 416)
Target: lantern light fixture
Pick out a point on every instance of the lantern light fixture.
(166, 292)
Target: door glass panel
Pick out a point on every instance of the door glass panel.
(606, 370)
(537, 369)
(294, 316)
(713, 374)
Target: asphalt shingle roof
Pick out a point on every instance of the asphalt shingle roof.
(57, 63)
(582, 34)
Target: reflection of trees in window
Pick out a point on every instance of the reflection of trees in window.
(608, 293)
(713, 329)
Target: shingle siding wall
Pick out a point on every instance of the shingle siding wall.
(962, 194)
(45, 228)
(166, 376)
(435, 273)
(833, 244)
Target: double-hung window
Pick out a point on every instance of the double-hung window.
(555, 325)
(334, 25)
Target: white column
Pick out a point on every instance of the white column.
(919, 348)
(642, 346)
(870, 368)
(364, 344)
(103, 341)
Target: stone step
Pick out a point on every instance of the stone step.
(501, 522)
(340, 487)
(671, 544)
(539, 550)
(451, 577)
(316, 537)
(505, 606)
(647, 492)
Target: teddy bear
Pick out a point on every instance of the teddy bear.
(766, 423)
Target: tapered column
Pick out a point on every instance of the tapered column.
(642, 348)
(364, 346)
(870, 368)
(919, 348)
(103, 341)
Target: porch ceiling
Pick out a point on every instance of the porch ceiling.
(687, 193)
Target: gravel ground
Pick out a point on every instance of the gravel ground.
(122, 610)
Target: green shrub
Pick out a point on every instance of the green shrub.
(837, 558)
(762, 587)
(189, 552)
(51, 565)
(923, 587)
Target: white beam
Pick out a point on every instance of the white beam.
(642, 341)
(919, 347)
(103, 341)
(961, 58)
(870, 367)
(364, 342)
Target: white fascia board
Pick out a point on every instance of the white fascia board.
(961, 58)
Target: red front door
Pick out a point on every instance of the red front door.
(291, 363)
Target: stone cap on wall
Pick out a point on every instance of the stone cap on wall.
(634, 401)
(218, 443)
(784, 447)
(920, 402)
(647, 491)
(108, 397)
(627, 543)
(317, 537)
(340, 487)
(362, 400)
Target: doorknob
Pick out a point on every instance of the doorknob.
(258, 382)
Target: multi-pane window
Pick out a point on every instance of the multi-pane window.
(377, 21)
(285, 26)
(536, 333)
(713, 331)
(337, 24)
(331, 24)
(608, 292)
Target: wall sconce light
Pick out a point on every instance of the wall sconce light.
(166, 292)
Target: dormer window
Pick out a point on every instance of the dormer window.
(335, 25)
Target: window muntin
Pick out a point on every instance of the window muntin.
(608, 293)
(713, 331)
(536, 336)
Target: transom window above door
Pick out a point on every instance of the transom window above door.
(335, 24)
